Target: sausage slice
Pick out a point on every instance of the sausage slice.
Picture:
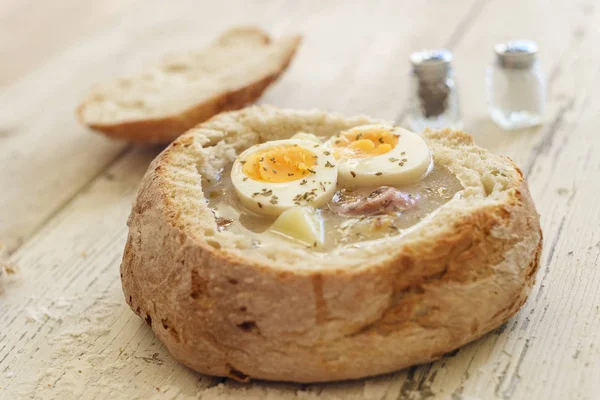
(380, 201)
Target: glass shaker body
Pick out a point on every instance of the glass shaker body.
(433, 99)
(516, 86)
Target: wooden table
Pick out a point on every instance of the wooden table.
(65, 193)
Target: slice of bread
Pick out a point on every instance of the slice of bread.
(165, 100)
(224, 306)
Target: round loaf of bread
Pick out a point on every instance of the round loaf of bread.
(225, 307)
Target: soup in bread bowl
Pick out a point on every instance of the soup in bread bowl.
(307, 246)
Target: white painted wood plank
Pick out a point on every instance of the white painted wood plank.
(548, 351)
(33, 30)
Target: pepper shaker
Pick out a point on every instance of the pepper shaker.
(516, 86)
(433, 101)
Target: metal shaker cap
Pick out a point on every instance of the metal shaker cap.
(431, 65)
(516, 54)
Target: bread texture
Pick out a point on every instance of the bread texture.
(225, 307)
(167, 99)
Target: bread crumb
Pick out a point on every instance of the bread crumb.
(8, 271)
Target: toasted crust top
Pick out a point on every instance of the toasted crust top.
(490, 182)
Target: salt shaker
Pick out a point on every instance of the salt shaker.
(516, 86)
(433, 101)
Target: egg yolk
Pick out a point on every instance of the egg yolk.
(285, 163)
(364, 143)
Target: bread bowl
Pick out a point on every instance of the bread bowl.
(166, 99)
(224, 305)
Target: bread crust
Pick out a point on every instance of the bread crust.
(166, 128)
(230, 312)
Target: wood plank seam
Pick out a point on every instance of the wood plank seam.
(544, 145)
(123, 153)
(465, 24)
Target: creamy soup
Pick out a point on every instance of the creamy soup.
(354, 214)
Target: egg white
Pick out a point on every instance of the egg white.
(322, 183)
(409, 161)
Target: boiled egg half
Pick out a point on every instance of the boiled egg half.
(275, 176)
(379, 155)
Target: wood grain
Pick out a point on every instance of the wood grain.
(65, 331)
(33, 31)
